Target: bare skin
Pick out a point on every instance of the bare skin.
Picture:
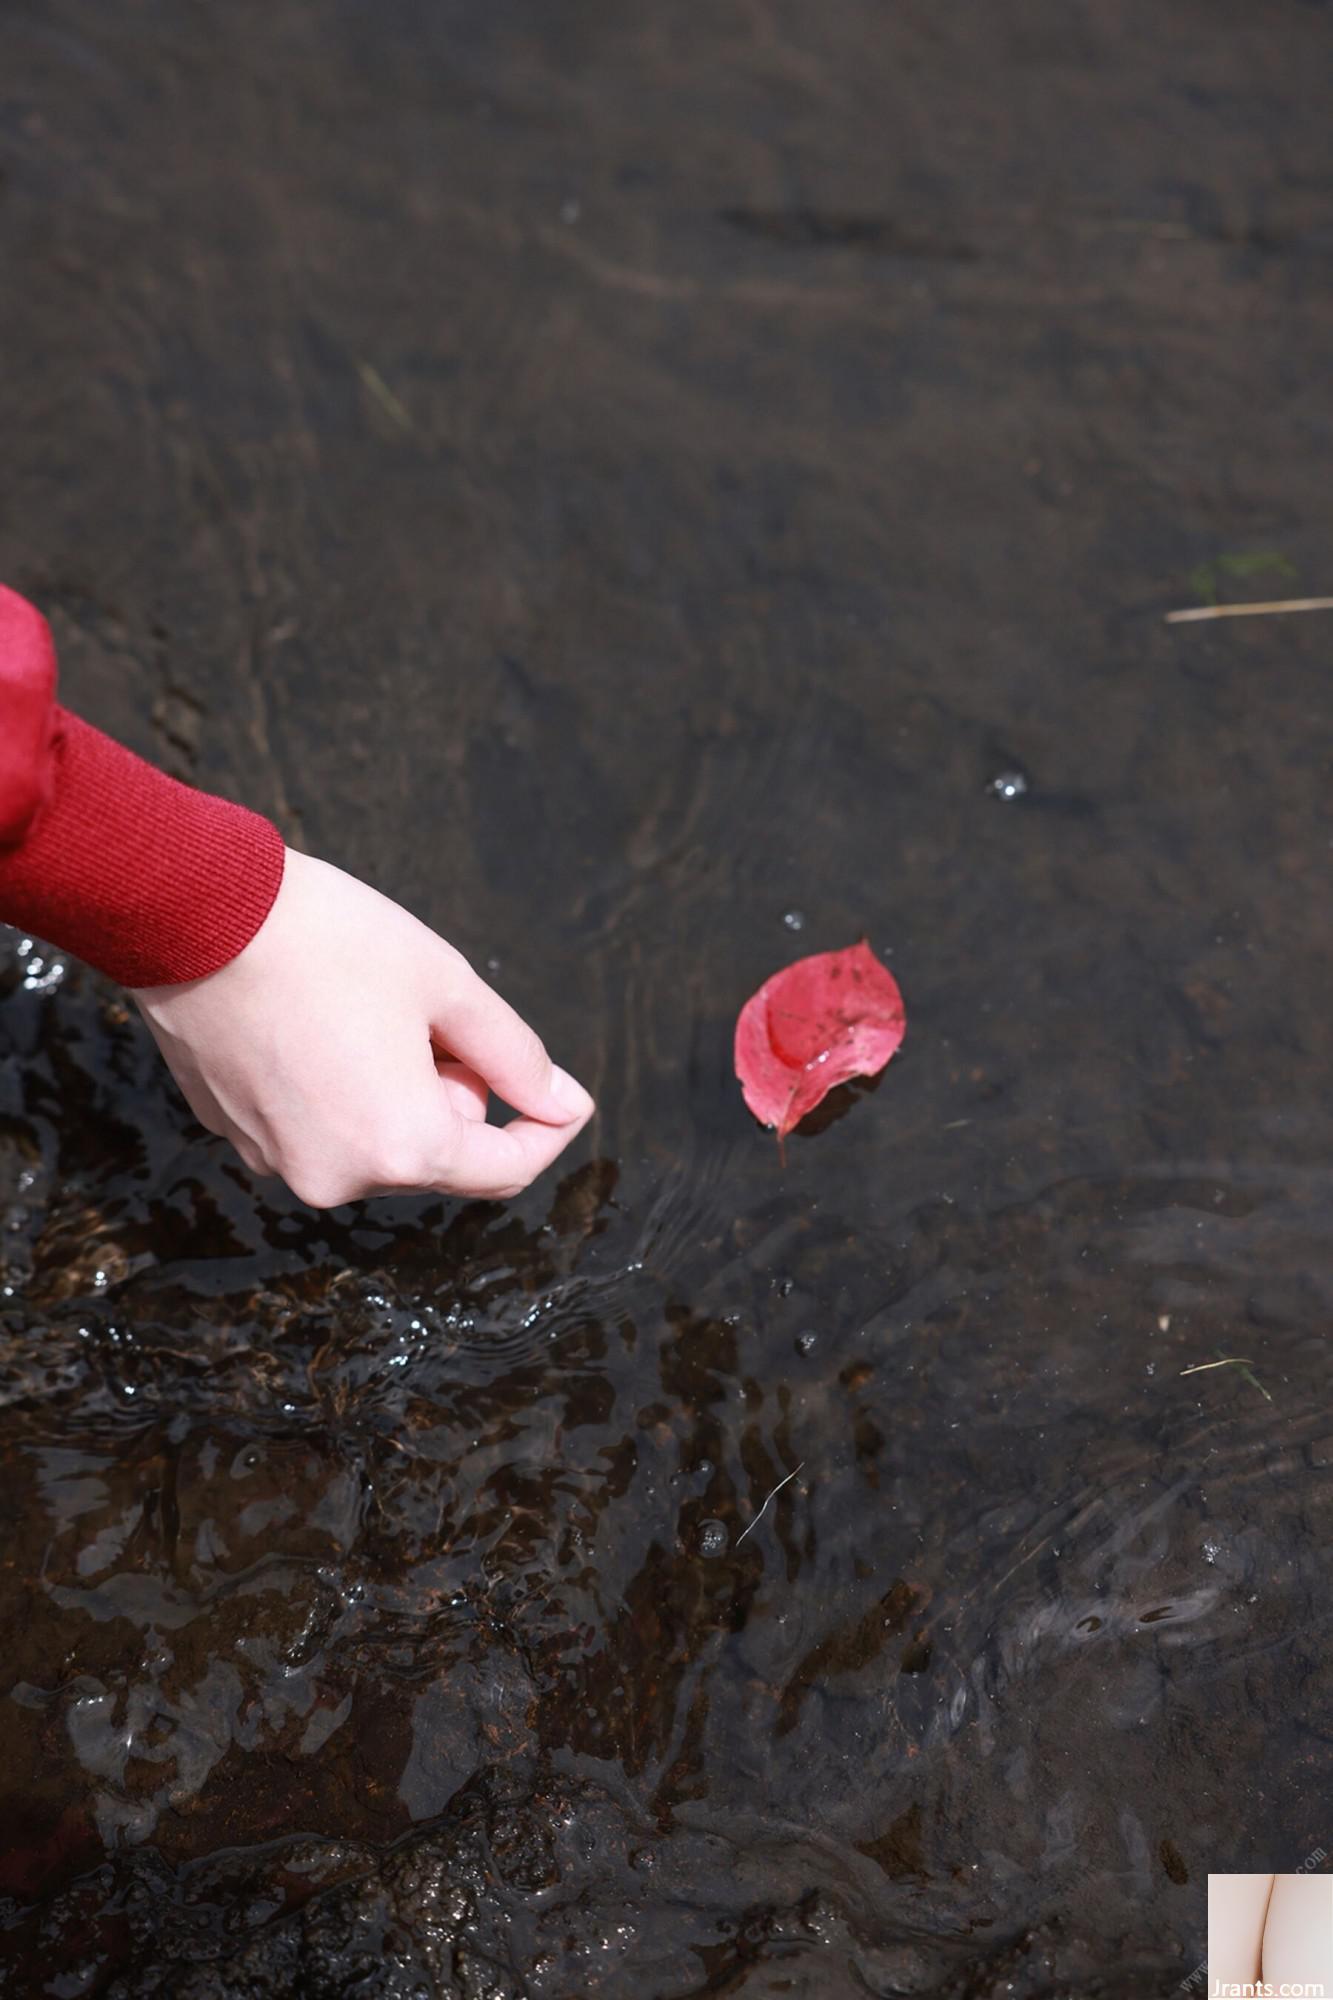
(1298, 1932)
(1277, 1929)
(352, 1052)
(1236, 1929)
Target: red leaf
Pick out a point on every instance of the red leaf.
(811, 1026)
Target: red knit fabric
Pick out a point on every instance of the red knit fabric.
(27, 712)
(105, 856)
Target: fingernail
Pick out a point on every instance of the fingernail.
(569, 1095)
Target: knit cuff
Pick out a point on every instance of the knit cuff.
(146, 879)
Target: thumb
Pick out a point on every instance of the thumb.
(475, 1026)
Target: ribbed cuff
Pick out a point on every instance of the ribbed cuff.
(146, 879)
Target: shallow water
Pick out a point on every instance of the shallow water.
(630, 485)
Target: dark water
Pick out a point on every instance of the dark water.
(619, 478)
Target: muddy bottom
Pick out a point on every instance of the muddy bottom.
(659, 491)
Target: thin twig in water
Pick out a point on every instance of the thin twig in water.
(772, 1496)
(1279, 604)
(1241, 1361)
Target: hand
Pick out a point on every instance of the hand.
(351, 1051)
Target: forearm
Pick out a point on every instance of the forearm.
(329, 1035)
(104, 855)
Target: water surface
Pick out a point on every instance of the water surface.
(629, 483)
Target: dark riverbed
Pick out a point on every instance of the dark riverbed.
(627, 480)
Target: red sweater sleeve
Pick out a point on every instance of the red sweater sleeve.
(107, 857)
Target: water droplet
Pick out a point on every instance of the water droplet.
(1009, 784)
(570, 211)
(794, 919)
(806, 1341)
(713, 1539)
(492, 965)
(43, 977)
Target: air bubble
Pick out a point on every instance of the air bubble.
(1009, 784)
(713, 1539)
(794, 919)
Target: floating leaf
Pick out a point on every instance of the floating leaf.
(832, 1016)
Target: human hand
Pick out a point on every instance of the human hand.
(351, 1051)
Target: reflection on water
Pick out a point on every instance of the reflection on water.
(443, 1588)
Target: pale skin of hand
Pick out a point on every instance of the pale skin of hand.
(351, 1051)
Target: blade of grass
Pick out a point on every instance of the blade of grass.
(383, 395)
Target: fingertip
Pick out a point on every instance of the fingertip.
(570, 1096)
